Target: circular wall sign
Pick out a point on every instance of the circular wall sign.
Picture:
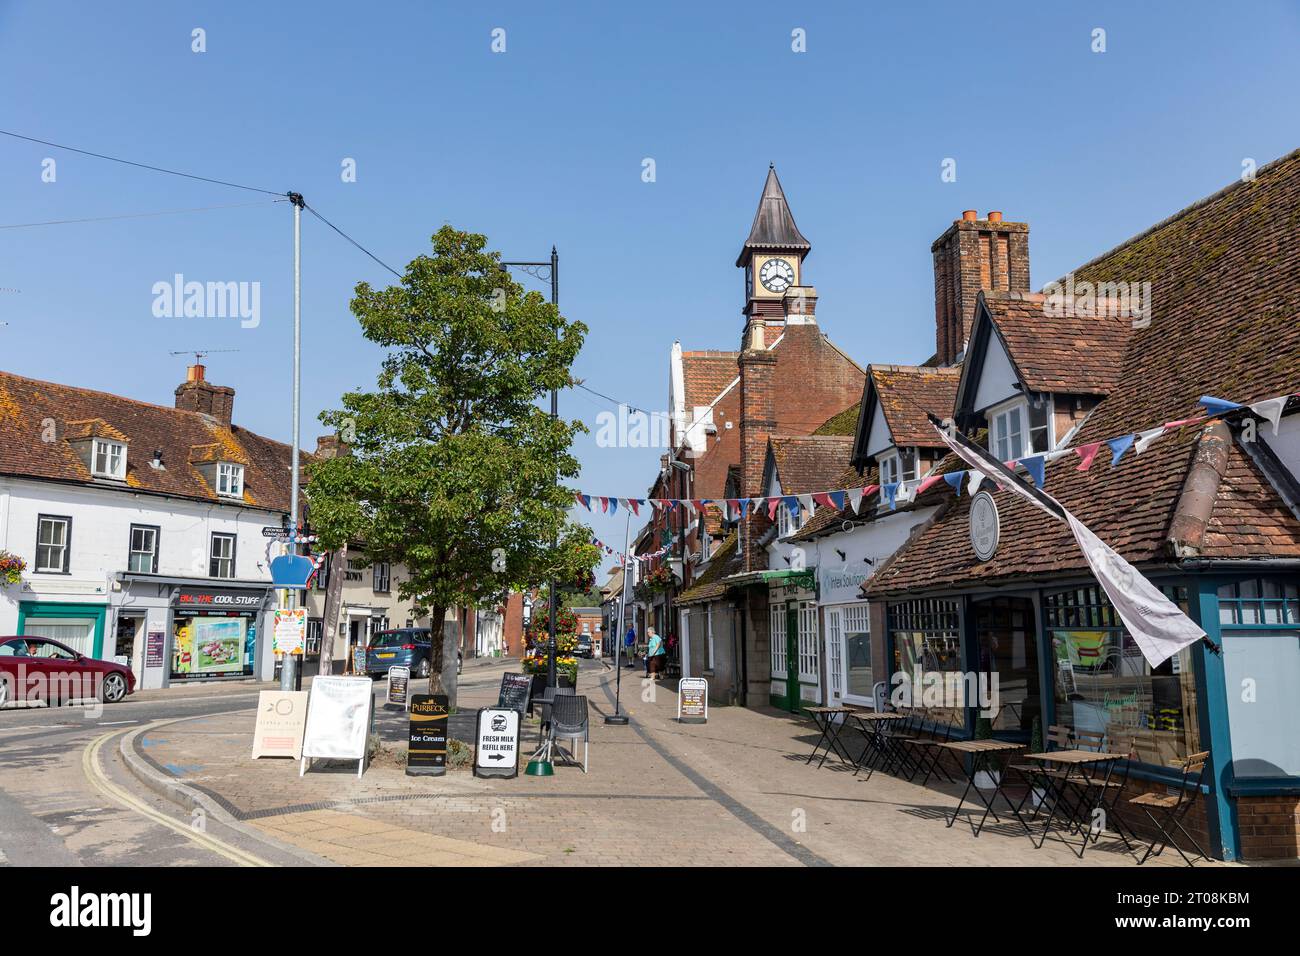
(984, 525)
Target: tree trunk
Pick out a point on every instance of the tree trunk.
(333, 599)
(442, 673)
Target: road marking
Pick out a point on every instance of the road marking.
(95, 774)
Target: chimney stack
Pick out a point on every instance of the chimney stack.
(757, 422)
(971, 255)
(196, 394)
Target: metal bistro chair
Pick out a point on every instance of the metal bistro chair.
(1172, 808)
(546, 702)
(569, 721)
(1042, 778)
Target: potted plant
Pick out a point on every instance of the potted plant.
(11, 568)
(566, 646)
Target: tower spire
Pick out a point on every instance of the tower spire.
(774, 226)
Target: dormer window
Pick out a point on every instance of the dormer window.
(788, 521)
(1020, 427)
(230, 480)
(898, 465)
(109, 459)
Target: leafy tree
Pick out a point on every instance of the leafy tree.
(454, 469)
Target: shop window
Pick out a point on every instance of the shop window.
(1101, 681)
(849, 645)
(52, 536)
(926, 638)
(143, 556)
(1260, 625)
(222, 563)
(1006, 634)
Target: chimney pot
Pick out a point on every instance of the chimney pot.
(195, 373)
(970, 215)
(995, 217)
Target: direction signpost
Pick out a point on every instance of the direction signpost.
(497, 753)
(426, 748)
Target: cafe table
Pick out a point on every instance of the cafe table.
(830, 721)
(872, 724)
(1070, 760)
(975, 749)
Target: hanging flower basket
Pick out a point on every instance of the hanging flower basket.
(11, 568)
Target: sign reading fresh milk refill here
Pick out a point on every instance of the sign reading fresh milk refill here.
(692, 700)
(497, 753)
(281, 720)
(426, 749)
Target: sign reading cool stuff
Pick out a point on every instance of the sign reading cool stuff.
(426, 749)
(692, 700)
(497, 753)
(985, 528)
(221, 599)
(281, 720)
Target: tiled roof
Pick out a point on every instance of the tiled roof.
(1056, 349)
(710, 584)
(774, 226)
(842, 424)
(27, 405)
(824, 517)
(808, 463)
(907, 392)
(705, 374)
(1225, 277)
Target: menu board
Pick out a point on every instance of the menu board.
(399, 679)
(359, 659)
(516, 689)
(339, 714)
(426, 749)
(692, 700)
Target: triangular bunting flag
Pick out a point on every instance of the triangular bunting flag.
(635, 504)
(1087, 453)
(1145, 439)
(976, 479)
(613, 505)
(954, 478)
(824, 499)
(890, 491)
(855, 499)
(1118, 446)
(744, 504)
(772, 505)
(806, 503)
(1216, 406)
(1036, 467)
(837, 499)
(1270, 410)
(928, 482)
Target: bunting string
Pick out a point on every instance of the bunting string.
(903, 492)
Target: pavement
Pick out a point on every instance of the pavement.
(736, 791)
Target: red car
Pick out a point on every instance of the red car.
(37, 668)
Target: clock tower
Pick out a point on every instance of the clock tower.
(772, 258)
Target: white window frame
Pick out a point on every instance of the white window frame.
(777, 637)
(151, 532)
(230, 480)
(892, 464)
(108, 450)
(998, 418)
(213, 557)
(809, 656)
(64, 547)
(786, 523)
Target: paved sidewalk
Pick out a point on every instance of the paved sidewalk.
(734, 791)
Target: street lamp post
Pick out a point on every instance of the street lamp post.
(548, 270)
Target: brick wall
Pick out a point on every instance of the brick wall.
(1269, 827)
(757, 422)
(971, 255)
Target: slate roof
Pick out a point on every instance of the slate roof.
(1225, 277)
(774, 226)
(1079, 351)
(809, 463)
(184, 437)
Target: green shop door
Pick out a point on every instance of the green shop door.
(785, 653)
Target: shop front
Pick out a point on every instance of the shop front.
(215, 631)
(795, 642)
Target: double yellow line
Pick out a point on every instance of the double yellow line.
(95, 774)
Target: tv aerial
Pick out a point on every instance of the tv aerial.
(199, 354)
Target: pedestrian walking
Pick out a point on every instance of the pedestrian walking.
(654, 654)
(629, 645)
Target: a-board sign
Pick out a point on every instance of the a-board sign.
(692, 700)
(359, 659)
(426, 748)
(497, 751)
(289, 635)
(516, 689)
(399, 680)
(339, 714)
(281, 720)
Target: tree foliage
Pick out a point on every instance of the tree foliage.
(454, 469)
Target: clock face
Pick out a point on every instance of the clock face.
(777, 275)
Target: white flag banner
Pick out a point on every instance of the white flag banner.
(1145, 439)
(1158, 626)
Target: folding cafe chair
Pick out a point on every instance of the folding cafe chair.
(1167, 811)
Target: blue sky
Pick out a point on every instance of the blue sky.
(543, 144)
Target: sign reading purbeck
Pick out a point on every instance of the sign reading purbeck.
(426, 748)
